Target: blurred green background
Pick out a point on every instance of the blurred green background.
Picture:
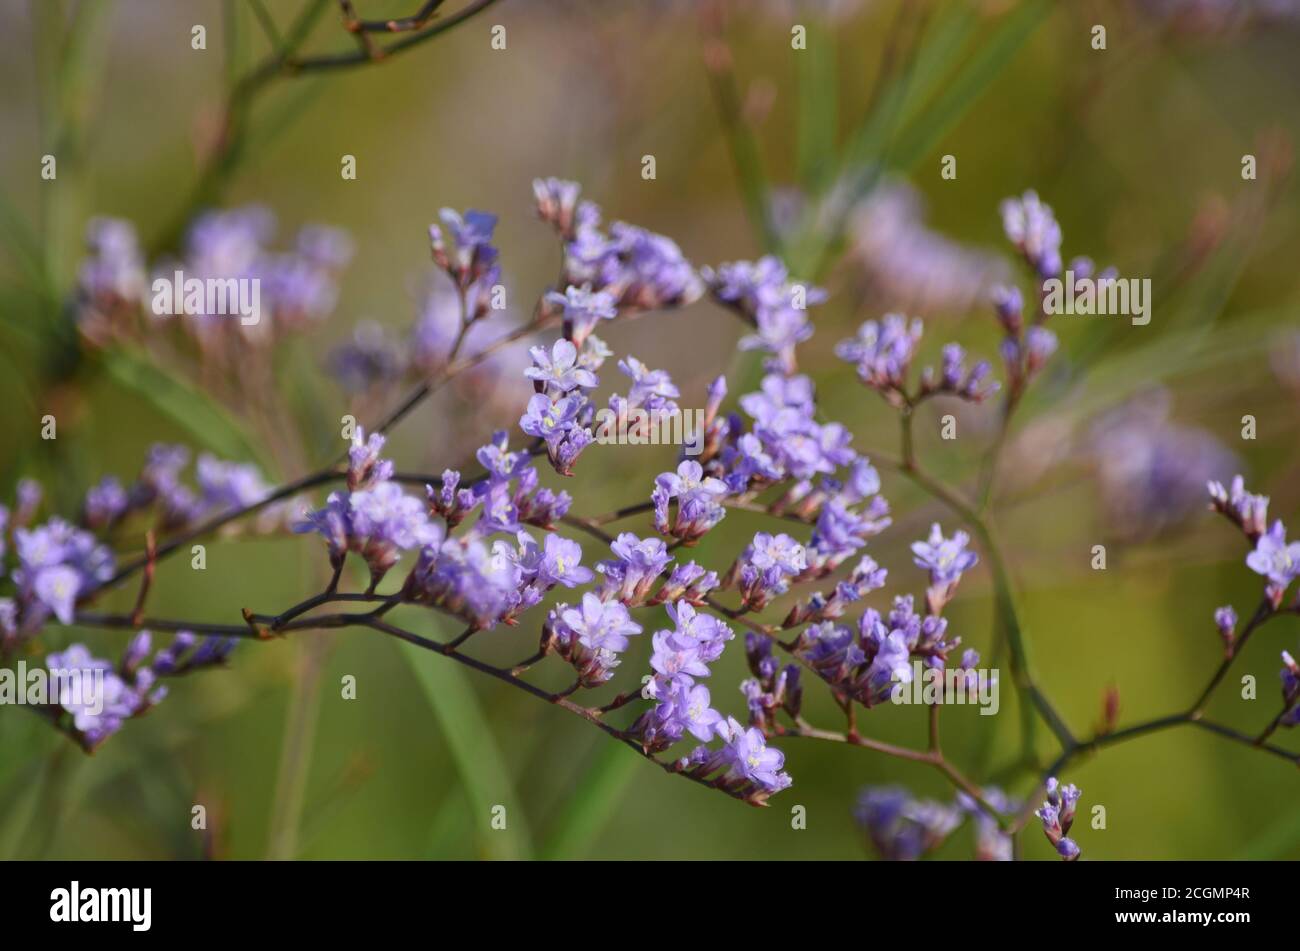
(1137, 147)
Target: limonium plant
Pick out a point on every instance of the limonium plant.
(511, 560)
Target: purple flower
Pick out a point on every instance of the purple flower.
(883, 351)
(1247, 511)
(601, 625)
(766, 566)
(473, 254)
(105, 504)
(688, 709)
(557, 200)
(750, 760)
(464, 577)
(590, 637)
(364, 465)
(548, 420)
(901, 828)
(945, 558)
(1225, 619)
(698, 497)
(991, 843)
(651, 389)
(98, 699)
(501, 464)
(557, 561)
(559, 370)
(228, 485)
(1057, 815)
(1032, 228)
(57, 565)
(583, 309)
(636, 565)
(1274, 558)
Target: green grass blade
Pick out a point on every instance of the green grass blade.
(483, 773)
(590, 805)
(203, 418)
(818, 80)
(970, 82)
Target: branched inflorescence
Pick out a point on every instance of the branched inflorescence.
(488, 546)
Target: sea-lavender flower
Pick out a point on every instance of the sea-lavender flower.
(946, 559)
(57, 564)
(1290, 691)
(1244, 509)
(582, 309)
(652, 390)
(991, 843)
(883, 352)
(1225, 619)
(901, 828)
(473, 255)
(1030, 225)
(687, 582)
(1057, 815)
(557, 200)
(228, 485)
(105, 504)
(466, 578)
(365, 467)
(98, 699)
(1276, 560)
(559, 370)
(557, 560)
(590, 637)
(764, 569)
(698, 501)
(751, 763)
(630, 574)
(954, 378)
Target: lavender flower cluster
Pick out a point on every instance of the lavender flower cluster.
(486, 547)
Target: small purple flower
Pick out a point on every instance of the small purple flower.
(651, 389)
(750, 760)
(766, 566)
(945, 558)
(1032, 228)
(557, 561)
(1244, 509)
(601, 625)
(698, 497)
(883, 351)
(1225, 619)
(228, 485)
(583, 309)
(557, 200)
(1274, 558)
(364, 465)
(105, 504)
(1057, 815)
(637, 563)
(548, 420)
(901, 828)
(559, 369)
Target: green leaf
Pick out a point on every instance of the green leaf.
(592, 802)
(209, 423)
(817, 73)
(970, 82)
(483, 774)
